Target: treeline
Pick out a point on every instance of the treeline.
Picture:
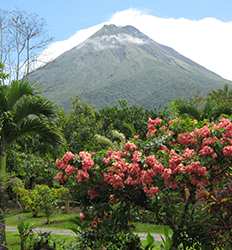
(86, 128)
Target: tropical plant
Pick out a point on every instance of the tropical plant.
(22, 111)
(25, 231)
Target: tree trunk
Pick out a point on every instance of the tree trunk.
(2, 166)
(3, 245)
(28, 57)
(2, 199)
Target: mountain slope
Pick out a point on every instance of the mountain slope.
(123, 63)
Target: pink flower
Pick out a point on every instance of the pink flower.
(129, 181)
(227, 151)
(59, 177)
(151, 160)
(164, 148)
(83, 155)
(196, 168)
(223, 123)
(151, 126)
(151, 131)
(151, 192)
(136, 157)
(115, 180)
(130, 147)
(154, 122)
(186, 138)
(82, 216)
(174, 161)
(68, 156)
(92, 193)
(167, 173)
(82, 176)
(188, 153)
(87, 163)
(134, 169)
(203, 132)
(209, 141)
(60, 164)
(70, 170)
(147, 177)
(206, 151)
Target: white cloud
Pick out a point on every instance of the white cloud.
(206, 41)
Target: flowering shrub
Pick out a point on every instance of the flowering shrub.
(182, 172)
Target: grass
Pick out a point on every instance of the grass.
(150, 228)
(63, 221)
(58, 221)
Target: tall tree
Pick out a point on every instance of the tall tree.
(22, 36)
(22, 112)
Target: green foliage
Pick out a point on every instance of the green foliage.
(25, 231)
(30, 167)
(120, 241)
(22, 112)
(149, 243)
(81, 126)
(215, 104)
(125, 119)
(41, 199)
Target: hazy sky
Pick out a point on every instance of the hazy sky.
(64, 17)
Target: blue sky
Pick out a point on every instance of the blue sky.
(65, 17)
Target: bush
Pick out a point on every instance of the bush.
(41, 199)
(181, 172)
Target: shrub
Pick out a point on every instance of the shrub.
(181, 172)
(41, 199)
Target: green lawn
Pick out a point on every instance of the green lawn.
(149, 228)
(59, 220)
(63, 221)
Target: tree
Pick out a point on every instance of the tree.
(81, 126)
(124, 118)
(22, 36)
(211, 107)
(22, 112)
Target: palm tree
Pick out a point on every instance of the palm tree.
(22, 111)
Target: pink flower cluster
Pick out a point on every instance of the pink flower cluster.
(186, 138)
(124, 168)
(183, 160)
(227, 151)
(152, 126)
(67, 166)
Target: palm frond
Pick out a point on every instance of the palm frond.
(32, 105)
(36, 125)
(16, 90)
